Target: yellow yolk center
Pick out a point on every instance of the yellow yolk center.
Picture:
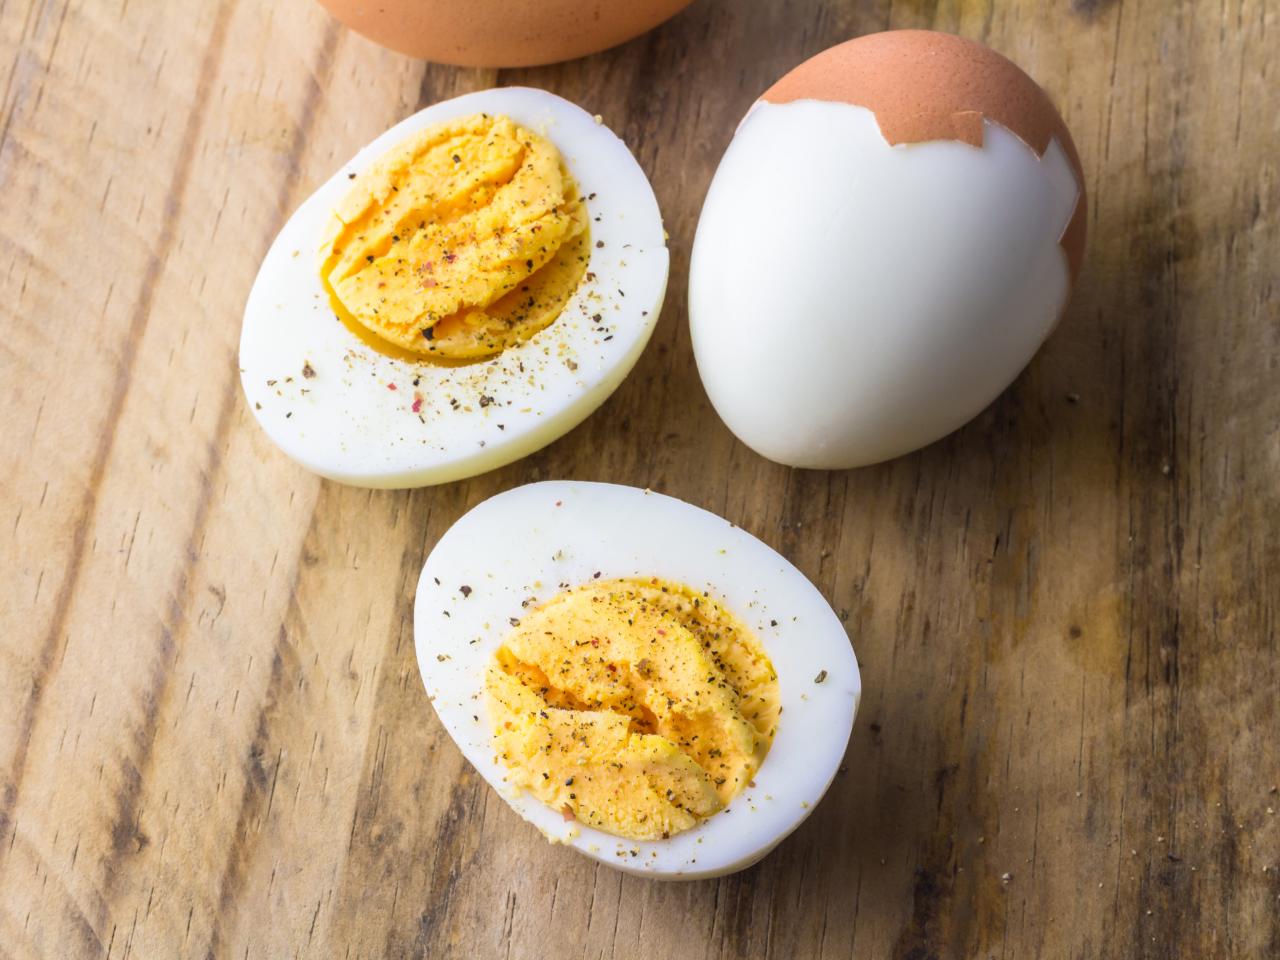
(639, 707)
(464, 239)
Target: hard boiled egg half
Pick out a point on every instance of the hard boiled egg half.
(468, 288)
(637, 677)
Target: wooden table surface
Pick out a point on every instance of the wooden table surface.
(213, 736)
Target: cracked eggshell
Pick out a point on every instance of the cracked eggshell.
(347, 412)
(891, 235)
(519, 547)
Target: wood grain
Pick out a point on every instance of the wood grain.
(213, 737)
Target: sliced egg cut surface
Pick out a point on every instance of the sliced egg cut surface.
(360, 411)
(524, 550)
(638, 706)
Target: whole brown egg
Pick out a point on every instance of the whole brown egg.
(501, 33)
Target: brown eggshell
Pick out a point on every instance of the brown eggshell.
(501, 33)
(922, 85)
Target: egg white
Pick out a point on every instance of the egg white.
(342, 418)
(896, 290)
(526, 545)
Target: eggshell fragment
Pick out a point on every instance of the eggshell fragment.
(924, 85)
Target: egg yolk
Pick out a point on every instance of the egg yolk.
(638, 707)
(464, 239)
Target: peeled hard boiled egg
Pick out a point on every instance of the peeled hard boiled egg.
(501, 33)
(892, 233)
(637, 678)
(468, 288)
